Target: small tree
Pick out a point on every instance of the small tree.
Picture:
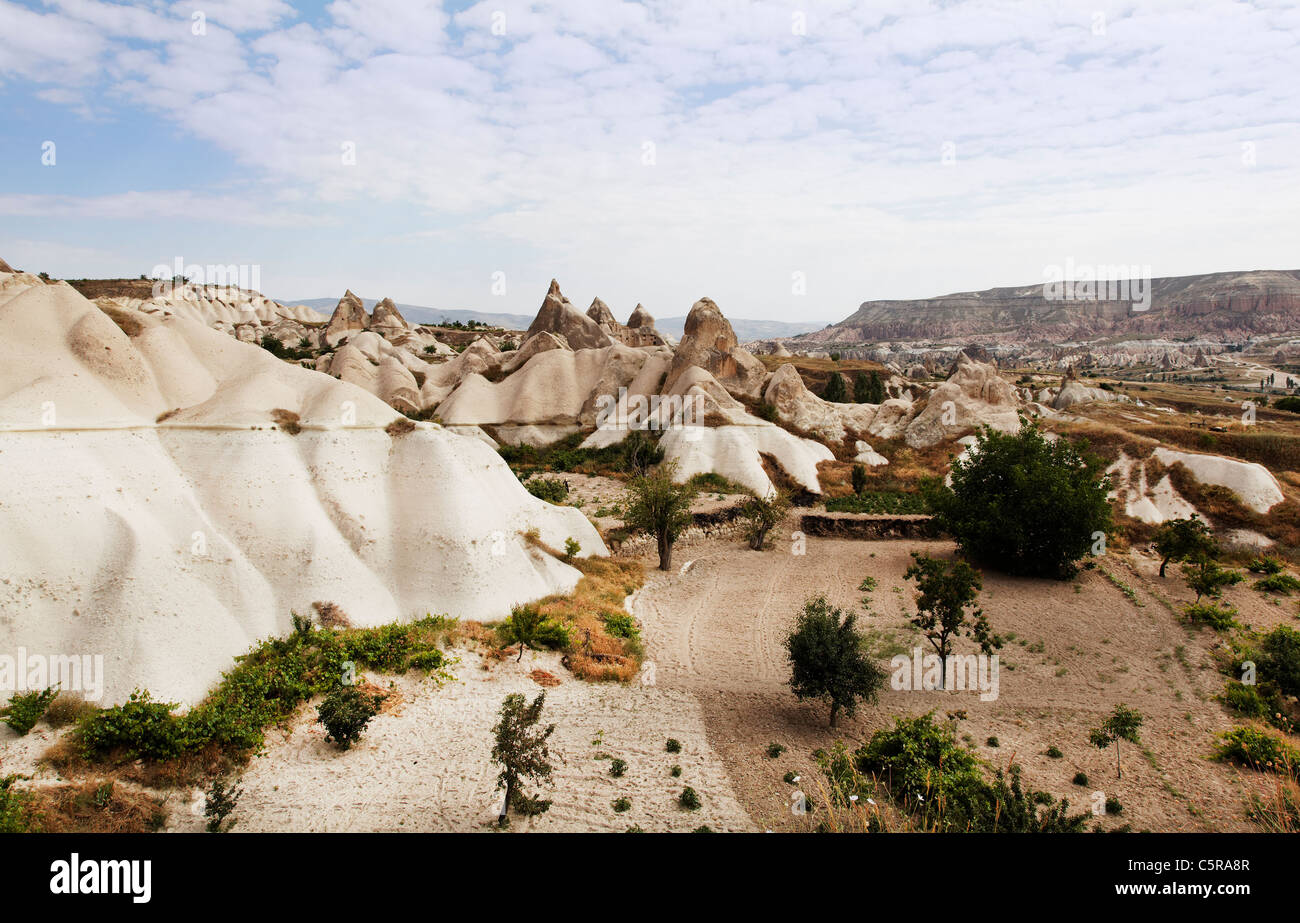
(835, 391)
(659, 506)
(829, 660)
(945, 590)
(528, 628)
(762, 514)
(218, 803)
(1122, 724)
(859, 478)
(522, 753)
(1205, 577)
(1183, 539)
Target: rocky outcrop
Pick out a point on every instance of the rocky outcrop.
(1075, 392)
(559, 317)
(709, 343)
(799, 408)
(974, 395)
(5, 267)
(387, 321)
(348, 319)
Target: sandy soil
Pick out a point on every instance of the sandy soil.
(426, 766)
(716, 631)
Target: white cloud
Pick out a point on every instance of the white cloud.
(773, 151)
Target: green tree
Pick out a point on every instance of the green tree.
(858, 476)
(1022, 504)
(945, 590)
(345, 712)
(835, 390)
(1122, 724)
(868, 389)
(522, 752)
(829, 659)
(1181, 539)
(762, 514)
(528, 628)
(1205, 577)
(659, 506)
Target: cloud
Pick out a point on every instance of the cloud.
(900, 150)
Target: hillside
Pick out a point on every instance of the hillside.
(1227, 305)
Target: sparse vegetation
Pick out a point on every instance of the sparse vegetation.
(345, 713)
(26, 708)
(945, 590)
(1184, 539)
(1122, 724)
(762, 514)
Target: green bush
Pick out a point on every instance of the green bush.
(689, 799)
(1259, 750)
(1245, 700)
(993, 742)
(620, 625)
(1265, 564)
(617, 768)
(1220, 618)
(674, 745)
(1055, 752)
(1022, 504)
(25, 709)
(1113, 806)
(345, 713)
(1283, 584)
(139, 728)
(552, 490)
(774, 750)
(883, 502)
(15, 816)
(1080, 778)
(1280, 659)
(675, 772)
(621, 804)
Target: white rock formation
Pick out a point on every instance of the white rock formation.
(171, 547)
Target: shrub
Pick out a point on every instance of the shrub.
(218, 805)
(528, 628)
(1265, 564)
(689, 799)
(675, 772)
(552, 490)
(68, 708)
(571, 549)
(1022, 504)
(829, 659)
(1205, 577)
(774, 750)
(1080, 778)
(1283, 584)
(1113, 806)
(1220, 618)
(1259, 750)
(621, 804)
(762, 514)
(345, 713)
(15, 811)
(617, 768)
(887, 502)
(1245, 700)
(139, 728)
(25, 709)
(674, 745)
(1054, 752)
(790, 778)
(993, 742)
(620, 625)
(1280, 650)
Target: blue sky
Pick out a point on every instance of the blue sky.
(649, 152)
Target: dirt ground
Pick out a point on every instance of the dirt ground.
(715, 628)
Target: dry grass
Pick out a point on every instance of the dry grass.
(68, 708)
(331, 615)
(101, 805)
(597, 655)
(400, 427)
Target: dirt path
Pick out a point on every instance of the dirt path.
(1076, 649)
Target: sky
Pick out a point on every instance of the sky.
(787, 159)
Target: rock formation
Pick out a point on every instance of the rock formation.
(348, 319)
(559, 317)
(708, 342)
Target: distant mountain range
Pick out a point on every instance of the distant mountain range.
(746, 329)
(1222, 304)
